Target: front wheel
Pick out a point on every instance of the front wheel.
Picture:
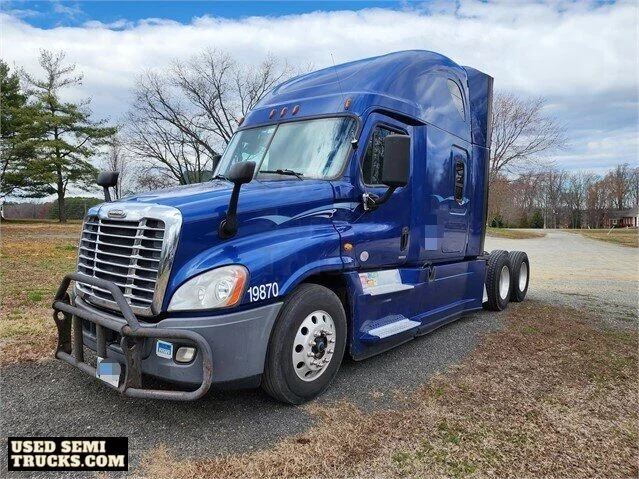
(307, 345)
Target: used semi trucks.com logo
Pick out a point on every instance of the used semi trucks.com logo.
(68, 454)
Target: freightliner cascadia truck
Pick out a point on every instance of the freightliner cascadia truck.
(347, 216)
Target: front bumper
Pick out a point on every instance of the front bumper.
(230, 347)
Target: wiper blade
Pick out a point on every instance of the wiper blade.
(220, 177)
(284, 172)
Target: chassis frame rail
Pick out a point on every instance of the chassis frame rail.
(70, 348)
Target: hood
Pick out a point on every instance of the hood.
(210, 200)
(264, 207)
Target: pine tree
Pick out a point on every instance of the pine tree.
(15, 129)
(68, 137)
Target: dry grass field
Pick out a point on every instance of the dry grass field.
(514, 233)
(551, 395)
(622, 236)
(33, 258)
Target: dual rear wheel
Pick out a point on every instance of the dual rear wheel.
(507, 278)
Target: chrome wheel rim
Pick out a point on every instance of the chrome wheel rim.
(523, 276)
(504, 282)
(314, 346)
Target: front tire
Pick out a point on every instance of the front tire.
(306, 346)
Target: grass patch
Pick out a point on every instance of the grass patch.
(561, 403)
(513, 233)
(34, 256)
(622, 236)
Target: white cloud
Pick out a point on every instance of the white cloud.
(573, 53)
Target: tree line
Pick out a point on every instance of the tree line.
(182, 116)
(555, 198)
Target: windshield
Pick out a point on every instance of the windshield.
(313, 148)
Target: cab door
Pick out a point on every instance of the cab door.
(383, 233)
(458, 203)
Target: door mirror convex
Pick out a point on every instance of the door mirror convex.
(108, 179)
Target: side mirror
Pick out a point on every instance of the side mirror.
(396, 166)
(239, 174)
(395, 169)
(108, 179)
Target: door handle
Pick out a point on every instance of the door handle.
(404, 241)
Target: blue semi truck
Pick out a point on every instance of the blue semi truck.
(347, 216)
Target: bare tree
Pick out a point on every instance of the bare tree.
(522, 133)
(183, 116)
(634, 187)
(575, 197)
(620, 183)
(149, 179)
(553, 185)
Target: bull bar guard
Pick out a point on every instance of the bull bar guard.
(68, 319)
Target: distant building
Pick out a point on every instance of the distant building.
(622, 218)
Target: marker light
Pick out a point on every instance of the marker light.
(240, 121)
(283, 111)
(347, 103)
(218, 288)
(185, 354)
(296, 108)
(272, 114)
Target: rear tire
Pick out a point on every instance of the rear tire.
(520, 277)
(306, 346)
(498, 283)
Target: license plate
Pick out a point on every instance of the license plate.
(109, 371)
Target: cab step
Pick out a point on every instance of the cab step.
(387, 327)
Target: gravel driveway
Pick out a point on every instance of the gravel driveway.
(52, 398)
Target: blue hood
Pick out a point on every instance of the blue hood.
(267, 210)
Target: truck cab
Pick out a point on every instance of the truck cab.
(347, 216)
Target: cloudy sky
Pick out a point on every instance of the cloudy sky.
(582, 56)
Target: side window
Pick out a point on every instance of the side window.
(458, 99)
(374, 157)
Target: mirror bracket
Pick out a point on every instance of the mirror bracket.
(239, 174)
(372, 201)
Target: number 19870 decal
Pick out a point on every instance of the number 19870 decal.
(263, 291)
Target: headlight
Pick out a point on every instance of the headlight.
(218, 288)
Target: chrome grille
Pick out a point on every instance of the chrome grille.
(132, 253)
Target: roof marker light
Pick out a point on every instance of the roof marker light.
(240, 121)
(283, 111)
(296, 108)
(272, 114)
(347, 103)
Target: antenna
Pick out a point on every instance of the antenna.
(337, 75)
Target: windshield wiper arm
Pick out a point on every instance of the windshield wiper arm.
(284, 172)
(220, 177)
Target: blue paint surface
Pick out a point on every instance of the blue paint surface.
(290, 230)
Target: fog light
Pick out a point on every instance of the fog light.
(185, 354)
